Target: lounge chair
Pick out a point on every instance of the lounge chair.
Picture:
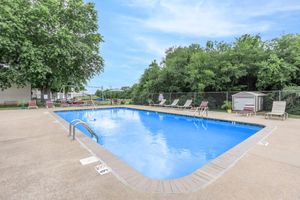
(203, 108)
(187, 104)
(248, 110)
(77, 103)
(49, 104)
(64, 103)
(173, 104)
(32, 104)
(162, 103)
(89, 103)
(278, 109)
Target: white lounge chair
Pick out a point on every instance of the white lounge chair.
(278, 109)
(187, 104)
(173, 104)
(162, 103)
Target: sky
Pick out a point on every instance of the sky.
(136, 32)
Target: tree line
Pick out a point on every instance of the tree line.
(248, 63)
(122, 93)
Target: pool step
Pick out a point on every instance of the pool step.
(89, 160)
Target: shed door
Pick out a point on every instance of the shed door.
(239, 102)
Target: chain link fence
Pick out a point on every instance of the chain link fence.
(217, 99)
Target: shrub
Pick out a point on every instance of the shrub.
(227, 105)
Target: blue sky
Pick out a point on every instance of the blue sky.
(139, 31)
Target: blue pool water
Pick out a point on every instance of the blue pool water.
(159, 145)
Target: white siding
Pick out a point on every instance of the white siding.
(15, 94)
(240, 102)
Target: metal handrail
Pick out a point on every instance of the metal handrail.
(71, 124)
(76, 122)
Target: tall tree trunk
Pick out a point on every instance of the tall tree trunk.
(45, 94)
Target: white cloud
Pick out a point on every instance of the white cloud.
(138, 31)
(152, 45)
(141, 3)
(210, 18)
(268, 7)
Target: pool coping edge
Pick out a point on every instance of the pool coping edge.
(193, 182)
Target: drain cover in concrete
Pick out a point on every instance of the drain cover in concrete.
(89, 160)
(102, 169)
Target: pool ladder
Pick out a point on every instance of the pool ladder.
(74, 123)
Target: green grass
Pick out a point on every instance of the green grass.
(84, 98)
(99, 103)
(10, 107)
(294, 116)
(217, 110)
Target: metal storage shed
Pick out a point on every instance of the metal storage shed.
(239, 100)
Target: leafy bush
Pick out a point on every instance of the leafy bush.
(292, 97)
(227, 105)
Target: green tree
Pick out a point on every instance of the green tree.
(149, 80)
(274, 74)
(201, 73)
(48, 43)
(248, 63)
(173, 77)
(246, 55)
(148, 84)
(287, 47)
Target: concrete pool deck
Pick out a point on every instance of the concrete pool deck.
(38, 161)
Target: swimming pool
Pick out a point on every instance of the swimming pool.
(159, 145)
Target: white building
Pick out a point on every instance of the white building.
(15, 95)
(36, 94)
(69, 95)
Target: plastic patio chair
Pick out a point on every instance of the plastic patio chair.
(173, 104)
(203, 108)
(32, 104)
(162, 103)
(278, 109)
(188, 104)
(49, 104)
(248, 110)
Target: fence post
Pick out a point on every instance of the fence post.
(279, 95)
(227, 96)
